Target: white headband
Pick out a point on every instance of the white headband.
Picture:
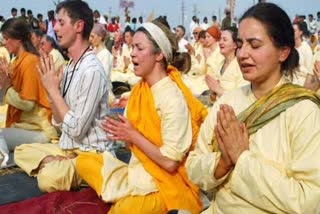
(160, 38)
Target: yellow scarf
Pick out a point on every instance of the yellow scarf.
(177, 190)
(269, 106)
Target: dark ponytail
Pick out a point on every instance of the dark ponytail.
(182, 61)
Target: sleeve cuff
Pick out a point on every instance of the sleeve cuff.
(54, 123)
(238, 169)
(171, 153)
(213, 169)
(66, 123)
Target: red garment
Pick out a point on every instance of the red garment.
(54, 21)
(113, 27)
(62, 202)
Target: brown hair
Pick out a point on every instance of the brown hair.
(178, 60)
(18, 29)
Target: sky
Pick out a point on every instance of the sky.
(170, 8)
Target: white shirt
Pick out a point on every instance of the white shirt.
(86, 98)
(313, 26)
(106, 59)
(50, 31)
(204, 26)
(182, 43)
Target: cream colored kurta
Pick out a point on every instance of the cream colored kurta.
(132, 179)
(214, 61)
(122, 74)
(4, 53)
(33, 116)
(197, 83)
(194, 79)
(305, 63)
(197, 67)
(232, 76)
(106, 58)
(58, 59)
(280, 173)
(126, 51)
(316, 57)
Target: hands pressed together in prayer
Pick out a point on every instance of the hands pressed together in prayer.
(120, 129)
(214, 86)
(313, 81)
(316, 70)
(5, 74)
(49, 77)
(126, 61)
(232, 138)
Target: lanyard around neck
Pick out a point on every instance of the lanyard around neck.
(65, 85)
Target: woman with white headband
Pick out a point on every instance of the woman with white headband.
(160, 127)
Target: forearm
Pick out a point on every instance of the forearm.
(201, 166)
(311, 82)
(153, 152)
(58, 105)
(221, 170)
(255, 178)
(12, 98)
(219, 91)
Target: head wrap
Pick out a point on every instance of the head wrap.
(99, 29)
(197, 29)
(214, 32)
(160, 38)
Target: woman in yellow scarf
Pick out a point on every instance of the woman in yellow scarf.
(258, 148)
(161, 125)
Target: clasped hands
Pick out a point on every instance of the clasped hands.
(120, 129)
(316, 70)
(232, 138)
(50, 78)
(214, 85)
(5, 74)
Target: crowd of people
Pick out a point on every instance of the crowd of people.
(252, 148)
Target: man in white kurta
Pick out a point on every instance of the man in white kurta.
(280, 173)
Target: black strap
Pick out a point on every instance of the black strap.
(65, 89)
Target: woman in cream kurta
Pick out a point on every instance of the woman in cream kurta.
(160, 127)
(305, 55)
(176, 134)
(124, 72)
(231, 77)
(276, 174)
(211, 59)
(228, 75)
(276, 168)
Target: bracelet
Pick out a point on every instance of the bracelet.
(213, 96)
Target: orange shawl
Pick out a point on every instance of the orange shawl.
(26, 81)
(177, 190)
